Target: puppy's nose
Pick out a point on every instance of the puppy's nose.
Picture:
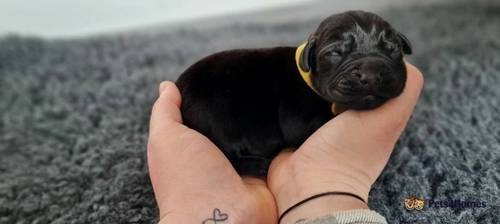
(369, 79)
(370, 73)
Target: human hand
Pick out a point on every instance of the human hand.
(192, 179)
(346, 154)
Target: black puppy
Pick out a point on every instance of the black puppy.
(252, 103)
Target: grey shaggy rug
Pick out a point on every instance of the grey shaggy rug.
(74, 116)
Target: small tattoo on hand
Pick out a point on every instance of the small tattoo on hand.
(217, 217)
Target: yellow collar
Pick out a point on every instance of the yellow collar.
(306, 76)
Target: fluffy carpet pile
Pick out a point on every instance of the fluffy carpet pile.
(74, 116)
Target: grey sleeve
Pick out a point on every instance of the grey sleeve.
(357, 216)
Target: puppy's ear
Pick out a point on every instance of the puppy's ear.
(307, 59)
(407, 49)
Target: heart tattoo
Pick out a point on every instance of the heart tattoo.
(217, 217)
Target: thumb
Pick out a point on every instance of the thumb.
(166, 112)
(404, 104)
(394, 114)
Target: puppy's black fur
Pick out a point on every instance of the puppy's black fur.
(252, 103)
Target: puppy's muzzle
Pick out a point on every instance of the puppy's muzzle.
(366, 76)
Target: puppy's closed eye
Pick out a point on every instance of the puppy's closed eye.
(333, 52)
(392, 48)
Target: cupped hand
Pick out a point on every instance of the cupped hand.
(192, 180)
(346, 154)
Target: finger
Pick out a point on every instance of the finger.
(166, 110)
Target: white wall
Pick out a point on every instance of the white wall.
(69, 18)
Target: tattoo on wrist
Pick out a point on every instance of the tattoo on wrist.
(217, 217)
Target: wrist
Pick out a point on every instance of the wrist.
(304, 185)
(299, 183)
(256, 205)
(197, 207)
(201, 213)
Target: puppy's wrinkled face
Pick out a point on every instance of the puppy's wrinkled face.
(356, 60)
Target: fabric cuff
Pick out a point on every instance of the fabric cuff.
(356, 216)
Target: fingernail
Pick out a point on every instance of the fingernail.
(162, 86)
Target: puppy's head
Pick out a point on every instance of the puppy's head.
(356, 60)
